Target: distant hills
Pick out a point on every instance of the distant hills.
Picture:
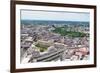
(50, 22)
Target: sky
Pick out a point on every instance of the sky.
(54, 15)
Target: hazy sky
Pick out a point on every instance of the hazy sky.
(54, 15)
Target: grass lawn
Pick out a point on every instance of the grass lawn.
(64, 32)
(41, 47)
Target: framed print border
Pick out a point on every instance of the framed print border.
(13, 35)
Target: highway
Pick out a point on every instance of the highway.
(51, 56)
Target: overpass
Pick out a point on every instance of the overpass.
(51, 55)
(48, 56)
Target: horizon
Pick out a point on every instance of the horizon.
(54, 15)
(51, 20)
